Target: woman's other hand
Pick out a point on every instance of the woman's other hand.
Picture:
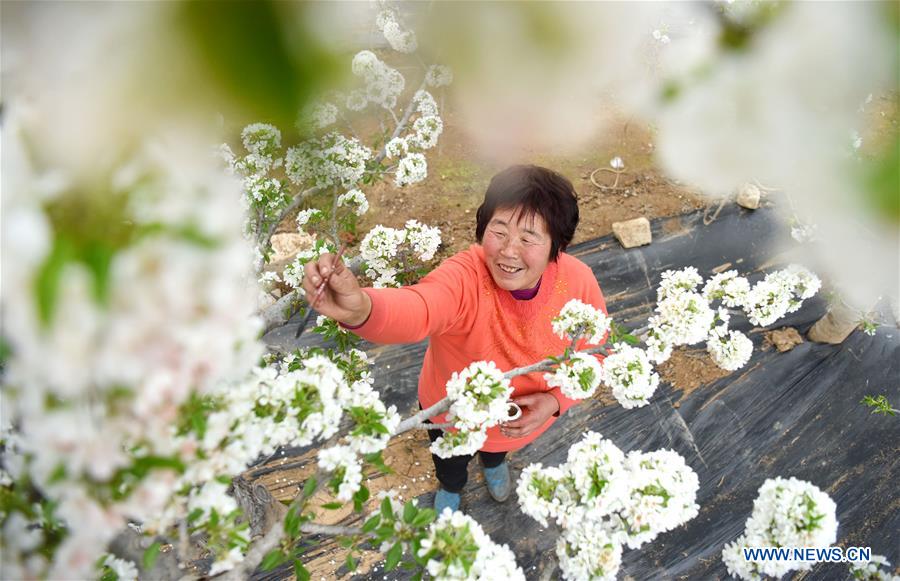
(536, 408)
(343, 300)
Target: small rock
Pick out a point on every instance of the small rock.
(631, 233)
(748, 197)
(785, 339)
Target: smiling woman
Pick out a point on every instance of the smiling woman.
(492, 302)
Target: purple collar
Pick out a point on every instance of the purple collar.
(527, 294)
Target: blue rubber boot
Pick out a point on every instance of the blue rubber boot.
(499, 484)
(444, 499)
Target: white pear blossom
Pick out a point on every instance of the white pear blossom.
(400, 40)
(728, 287)
(356, 100)
(579, 320)
(343, 461)
(577, 378)
(604, 500)
(658, 340)
(730, 350)
(354, 198)
(597, 469)
(676, 282)
(428, 129)
(438, 76)
(546, 493)
(411, 169)
(462, 551)
(327, 161)
(426, 106)
(878, 568)
(684, 318)
(424, 240)
(628, 372)
(479, 395)
(459, 443)
(124, 569)
(211, 497)
(304, 216)
(786, 513)
(587, 553)
(261, 139)
(661, 496)
(397, 147)
(779, 293)
(319, 115)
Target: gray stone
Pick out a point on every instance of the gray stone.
(631, 233)
(748, 197)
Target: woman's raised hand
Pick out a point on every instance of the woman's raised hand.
(342, 299)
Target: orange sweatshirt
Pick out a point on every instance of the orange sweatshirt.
(469, 318)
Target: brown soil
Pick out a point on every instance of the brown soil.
(690, 369)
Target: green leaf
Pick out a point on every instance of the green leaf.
(309, 487)
(362, 494)
(630, 339)
(272, 560)
(393, 556)
(292, 522)
(332, 505)
(424, 517)
(386, 510)
(371, 524)
(300, 571)
(194, 515)
(150, 555)
(417, 576)
(48, 278)
(351, 563)
(409, 512)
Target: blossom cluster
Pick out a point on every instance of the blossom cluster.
(578, 377)
(166, 313)
(578, 320)
(685, 315)
(263, 196)
(400, 39)
(383, 84)
(326, 161)
(878, 568)
(628, 371)
(355, 199)
(478, 396)
(457, 549)
(300, 401)
(604, 500)
(386, 251)
(786, 513)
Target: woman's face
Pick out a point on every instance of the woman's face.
(516, 248)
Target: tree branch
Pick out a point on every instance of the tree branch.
(414, 421)
(317, 529)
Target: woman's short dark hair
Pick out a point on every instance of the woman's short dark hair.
(536, 190)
